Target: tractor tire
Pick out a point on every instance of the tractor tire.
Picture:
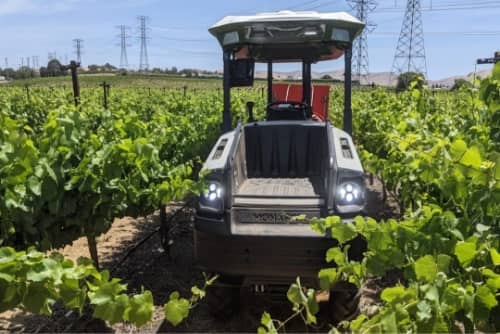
(344, 302)
(223, 300)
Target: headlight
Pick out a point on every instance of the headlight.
(350, 197)
(212, 198)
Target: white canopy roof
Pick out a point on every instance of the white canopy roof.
(288, 16)
(288, 35)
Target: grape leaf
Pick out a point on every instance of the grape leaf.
(426, 268)
(177, 309)
(140, 310)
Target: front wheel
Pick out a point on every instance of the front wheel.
(344, 302)
(223, 298)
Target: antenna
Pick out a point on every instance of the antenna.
(410, 51)
(143, 30)
(123, 45)
(360, 48)
(78, 45)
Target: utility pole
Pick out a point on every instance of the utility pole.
(6, 62)
(361, 68)
(78, 45)
(123, 45)
(28, 62)
(22, 61)
(410, 51)
(143, 32)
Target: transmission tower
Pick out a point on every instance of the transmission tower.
(361, 68)
(78, 45)
(143, 35)
(123, 45)
(410, 51)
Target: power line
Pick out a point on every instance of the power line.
(448, 7)
(78, 45)
(123, 45)
(185, 39)
(361, 68)
(297, 6)
(462, 33)
(143, 30)
(410, 51)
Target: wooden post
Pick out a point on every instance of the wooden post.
(91, 240)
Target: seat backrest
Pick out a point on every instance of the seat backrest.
(320, 95)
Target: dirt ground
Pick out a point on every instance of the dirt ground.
(150, 267)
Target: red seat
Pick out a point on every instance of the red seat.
(320, 95)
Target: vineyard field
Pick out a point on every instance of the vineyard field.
(68, 172)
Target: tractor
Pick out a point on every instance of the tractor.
(264, 173)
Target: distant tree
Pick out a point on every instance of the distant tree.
(109, 68)
(174, 70)
(8, 73)
(25, 72)
(405, 79)
(327, 77)
(459, 83)
(54, 69)
(94, 68)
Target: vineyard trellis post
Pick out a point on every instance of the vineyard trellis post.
(27, 88)
(73, 66)
(106, 87)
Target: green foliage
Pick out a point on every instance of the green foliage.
(68, 172)
(410, 80)
(304, 305)
(34, 281)
(177, 309)
(461, 83)
(440, 157)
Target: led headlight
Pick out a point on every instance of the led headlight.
(213, 192)
(212, 198)
(350, 197)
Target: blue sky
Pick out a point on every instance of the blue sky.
(455, 33)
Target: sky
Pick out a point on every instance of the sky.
(456, 32)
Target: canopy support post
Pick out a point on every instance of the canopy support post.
(347, 90)
(269, 82)
(226, 115)
(306, 82)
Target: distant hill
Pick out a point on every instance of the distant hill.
(378, 78)
(448, 82)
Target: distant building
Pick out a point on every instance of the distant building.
(2, 78)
